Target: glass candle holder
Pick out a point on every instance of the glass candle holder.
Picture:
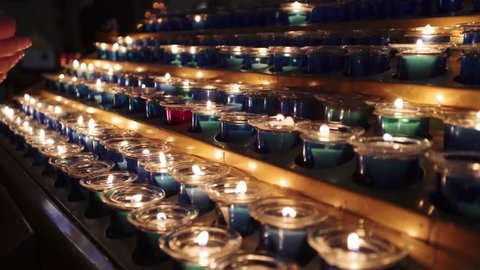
(275, 134)
(234, 126)
(196, 247)
(233, 196)
(34, 144)
(388, 162)
(192, 176)
(166, 84)
(285, 223)
(134, 152)
(325, 144)
(97, 183)
(83, 169)
(136, 104)
(234, 94)
(358, 246)
(231, 57)
(113, 145)
(58, 149)
(348, 110)
(104, 51)
(99, 139)
(96, 91)
(152, 222)
(324, 59)
(257, 59)
(288, 60)
(440, 7)
(458, 180)
(295, 13)
(256, 260)
(205, 116)
(420, 61)
(469, 65)
(60, 163)
(185, 88)
(300, 105)
(428, 34)
(402, 118)
(156, 170)
(367, 60)
(123, 199)
(56, 82)
(89, 137)
(462, 131)
(204, 92)
(201, 56)
(178, 112)
(263, 102)
(469, 32)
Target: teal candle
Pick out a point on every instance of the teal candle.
(205, 116)
(351, 111)
(295, 13)
(234, 126)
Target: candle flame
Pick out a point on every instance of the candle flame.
(41, 133)
(419, 43)
(98, 83)
(80, 120)
(478, 114)
(117, 67)
(146, 152)
(398, 103)
(61, 149)
(110, 71)
(202, 238)
(353, 242)
(241, 188)
(167, 76)
(128, 40)
(235, 88)
(197, 170)
(428, 30)
(296, 6)
(162, 216)
(110, 179)
(83, 66)
(58, 110)
(387, 137)
(210, 105)
(90, 67)
(75, 64)
(50, 141)
(162, 158)
(280, 117)
(115, 46)
(186, 83)
(324, 130)
(33, 101)
(193, 50)
(143, 86)
(197, 18)
(289, 212)
(174, 49)
(26, 97)
(135, 198)
(74, 79)
(25, 124)
(61, 76)
(91, 124)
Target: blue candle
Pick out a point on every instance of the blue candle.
(326, 12)
(367, 60)
(202, 56)
(258, 59)
(59, 164)
(462, 131)
(301, 105)
(233, 94)
(192, 176)
(324, 59)
(470, 32)
(469, 65)
(177, 55)
(103, 51)
(275, 134)
(231, 57)
(234, 126)
(401, 118)
(263, 102)
(205, 116)
(388, 162)
(134, 152)
(441, 7)
(459, 180)
(428, 34)
(421, 61)
(204, 92)
(325, 144)
(112, 147)
(288, 60)
(154, 221)
(166, 84)
(123, 199)
(285, 223)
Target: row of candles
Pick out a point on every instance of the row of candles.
(299, 13)
(425, 59)
(322, 124)
(121, 174)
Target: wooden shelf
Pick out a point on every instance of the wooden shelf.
(436, 243)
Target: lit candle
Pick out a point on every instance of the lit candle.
(134, 152)
(258, 59)
(231, 57)
(205, 116)
(59, 164)
(295, 13)
(289, 60)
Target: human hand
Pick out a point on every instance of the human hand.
(11, 47)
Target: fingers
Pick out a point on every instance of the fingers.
(7, 63)
(13, 45)
(7, 26)
(3, 76)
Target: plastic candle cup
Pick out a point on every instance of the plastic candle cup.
(98, 140)
(231, 57)
(57, 149)
(470, 32)
(178, 112)
(136, 104)
(233, 196)
(275, 134)
(469, 65)
(192, 176)
(202, 56)
(358, 246)
(234, 94)
(123, 199)
(154, 221)
(325, 144)
(234, 126)
(166, 84)
(134, 152)
(155, 169)
(428, 34)
(112, 147)
(194, 248)
(257, 59)
(285, 223)
(301, 105)
(402, 118)
(83, 169)
(152, 105)
(462, 131)
(35, 142)
(348, 110)
(458, 175)
(258, 260)
(420, 61)
(324, 59)
(289, 60)
(87, 134)
(59, 164)
(97, 183)
(96, 89)
(295, 13)
(387, 161)
(367, 60)
(263, 102)
(205, 116)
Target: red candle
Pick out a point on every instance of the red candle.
(178, 115)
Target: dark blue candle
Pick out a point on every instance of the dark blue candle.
(202, 56)
(470, 65)
(166, 84)
(462, 131)
(263, 102)
(275, 134)
(234, 126)
(59, 164)
(285, 223)
(204, 92)
(388, 162)
(233, 94)
(367, 60)
(324, 59)
(134, 152)
(231, 57)
(289, 60)
(257, 59)
(325, 144)
(177, 55)
(112, 147)
(301, 105)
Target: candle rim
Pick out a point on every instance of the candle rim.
(456, 163)
(224, 190)
(259, 259)
(263, 124)
(51, 150)
(377, 146)
(59, 162)
(83, 169)
(239, 117)
(464, 119)
(116, 197)
(152, 164)
(99, 182)
(311, 131)
(136, 150)
(217, 170)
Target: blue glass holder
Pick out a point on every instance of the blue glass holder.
(324, 60)
(205, 123)
(164, 181)
(405, 126)
(235, 132)
(421, 67)
(276, 142)
(325, 155)
(195, 196)
(285, 243)
(136, 105)
(461, 138)
(469, 68)
(288, 63)
(360, 64)
(263, 104)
